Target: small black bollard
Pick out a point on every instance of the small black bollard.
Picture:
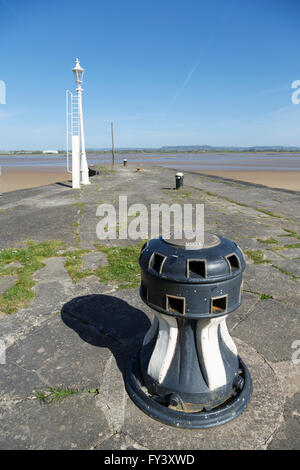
(92, 170)
(125, 162)
(179, 180)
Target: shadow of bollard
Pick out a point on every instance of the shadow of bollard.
(107, 322)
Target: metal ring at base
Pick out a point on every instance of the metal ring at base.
(205, 419)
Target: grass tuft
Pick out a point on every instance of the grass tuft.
(290, 233)
(268, 241)
(55, 394)
(31, 257)
(292, 245)
(73, 264)
(266, 296)
(257, 256)
(271, 214)
(123, 265)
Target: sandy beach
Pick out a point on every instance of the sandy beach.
(14, 178)
(281, 179)
(22, 178)
(274, 179)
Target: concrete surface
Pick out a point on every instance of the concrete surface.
(81, 336)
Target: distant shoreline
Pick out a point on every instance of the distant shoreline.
(153, 152)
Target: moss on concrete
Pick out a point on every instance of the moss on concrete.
(31, 258)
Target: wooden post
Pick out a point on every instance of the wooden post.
(112, 144)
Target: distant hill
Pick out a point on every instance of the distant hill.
(168, 149)
(186, 148)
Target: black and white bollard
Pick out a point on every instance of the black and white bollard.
(179, 180)
(187, 372)
(125, 162)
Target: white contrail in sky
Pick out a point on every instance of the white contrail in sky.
(186, 81)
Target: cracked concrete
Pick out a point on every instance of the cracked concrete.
(82, 335)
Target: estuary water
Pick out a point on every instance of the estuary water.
(193, 161)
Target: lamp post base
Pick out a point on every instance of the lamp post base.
(85, 177)
(157, 409)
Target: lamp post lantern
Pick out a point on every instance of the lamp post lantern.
(78, 74)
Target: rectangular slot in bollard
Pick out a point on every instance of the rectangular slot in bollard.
(219, 304)
(175, 304)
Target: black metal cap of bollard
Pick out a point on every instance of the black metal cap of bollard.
(196, 283)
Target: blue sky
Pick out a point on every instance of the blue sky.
(167, 72)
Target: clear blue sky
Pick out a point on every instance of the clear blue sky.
(167, 72)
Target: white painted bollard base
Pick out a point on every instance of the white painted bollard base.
(207, 344)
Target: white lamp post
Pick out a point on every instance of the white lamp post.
(78, 74)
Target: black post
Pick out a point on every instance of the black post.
(112, 144)
(179, 180)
